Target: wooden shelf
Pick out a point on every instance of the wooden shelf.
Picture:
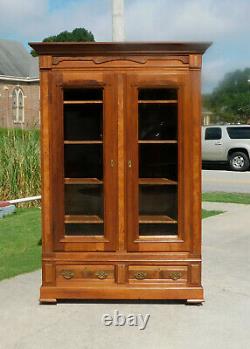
(82, 102)
(170, 141)
(157, 101)
(82, 181)
(84, 219)
(155, 219)
(157, 181)
(83, 142)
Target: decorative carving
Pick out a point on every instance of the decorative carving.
(102, 60)
(140, 275)
(111, 59)
(101, 274)
(98, 60)
(175, 275)
(67, 274)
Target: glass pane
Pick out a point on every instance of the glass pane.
(213, 133)
(83, 94)
(158, 200)
(84, 229)
(83, 121)
(83, 199)
(83, 161)
(239, 132)
(158, 121)
(158, 229)
(157, 94)
(158, 161)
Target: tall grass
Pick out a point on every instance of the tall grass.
(19, 163)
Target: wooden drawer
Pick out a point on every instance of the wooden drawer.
(82, 274)
(158, 274)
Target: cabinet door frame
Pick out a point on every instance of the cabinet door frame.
(182, 242)
(82, 79)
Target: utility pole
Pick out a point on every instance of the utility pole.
(118, 20)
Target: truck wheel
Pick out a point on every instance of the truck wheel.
(239, 161)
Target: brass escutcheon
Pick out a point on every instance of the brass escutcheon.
(175, 275)
(101, 274)
(67, 274)
(140, 275)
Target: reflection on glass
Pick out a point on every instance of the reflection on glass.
(83, 161)
(158, 121)
(83, 199)
(83, 122)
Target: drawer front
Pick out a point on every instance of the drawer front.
(82, 274)
(158, 274)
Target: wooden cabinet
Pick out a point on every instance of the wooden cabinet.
(121, 170)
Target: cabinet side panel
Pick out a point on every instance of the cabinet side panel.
(45, 76)
(196, 161)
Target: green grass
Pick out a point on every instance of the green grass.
(210, 213)
(237, 198)
(19, 164)
(19, 237)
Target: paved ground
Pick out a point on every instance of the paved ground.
(222, 322)
(228, 181)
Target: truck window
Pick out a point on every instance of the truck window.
(239, 132)
(213, 133)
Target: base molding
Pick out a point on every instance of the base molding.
(48, 301)
(190, 294)
(195, 301)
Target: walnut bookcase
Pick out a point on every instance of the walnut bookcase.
(121, 170)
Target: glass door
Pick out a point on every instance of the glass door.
(83, 162)
(88, 165)
(157, 161)
(154, 184)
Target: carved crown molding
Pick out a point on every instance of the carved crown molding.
(103, 60)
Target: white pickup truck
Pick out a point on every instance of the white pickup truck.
(227, 144)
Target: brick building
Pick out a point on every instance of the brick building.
(19, 86)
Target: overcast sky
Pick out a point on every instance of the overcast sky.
(225, 22)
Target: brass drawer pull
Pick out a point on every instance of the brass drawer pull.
(175, 275)
(140, 275)
(67, 274)
(101, 274)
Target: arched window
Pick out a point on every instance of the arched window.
(18, 105)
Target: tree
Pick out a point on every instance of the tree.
(230, 101)
(78, 34)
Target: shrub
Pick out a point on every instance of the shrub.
(19, 164)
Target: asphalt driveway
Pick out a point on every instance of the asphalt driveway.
(222, 322)
(227, 181)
